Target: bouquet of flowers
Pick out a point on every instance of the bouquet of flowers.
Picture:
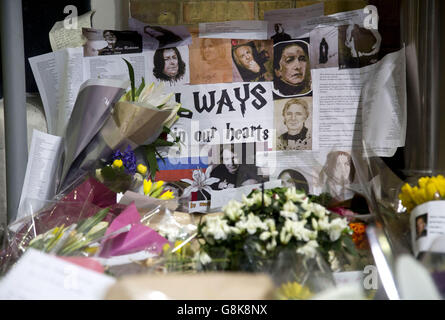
(267, 223)
(427, 189)
(69, 240)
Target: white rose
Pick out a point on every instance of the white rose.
(309, 249)
(285, 236)
(248, 201)
(336, 228)
(290, 207)
(202, 257)
(216, 227)
(292, 195)
(233, 210)
(323, 223)
(319, 210)
(271, 245)
(314, 224)
(289, 215)
(265, 235)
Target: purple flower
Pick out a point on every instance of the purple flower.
(127, 158)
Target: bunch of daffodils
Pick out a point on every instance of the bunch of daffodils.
(428, 188)
(281, 218)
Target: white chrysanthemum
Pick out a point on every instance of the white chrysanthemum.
(233, 210)
(293, 195)
(309, 249)
(336, 228)
(216, 227)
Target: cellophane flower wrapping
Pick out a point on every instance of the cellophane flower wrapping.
(59, 220)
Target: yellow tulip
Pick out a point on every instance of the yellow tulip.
(167, 195)
(142, 169)
(147, 186)
(117, 163)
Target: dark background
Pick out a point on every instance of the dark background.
(39, 16)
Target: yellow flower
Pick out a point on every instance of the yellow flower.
(167, 195)
(294, 291)
(117, 163)
(142, 169)
(166, 247)
(147, 187)
(157, 189)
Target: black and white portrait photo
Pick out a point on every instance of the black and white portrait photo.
(169, 65)
(338, 174)
(324, 47)
(292, 70)
(293, 121)
(234, 166)
(159, 37)
(293, 178)
(111, 42)
(252, 60)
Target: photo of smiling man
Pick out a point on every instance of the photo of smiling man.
(292, 70)
(293, 121)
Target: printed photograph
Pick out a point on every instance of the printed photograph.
(337, 174)
(324, 48)
(158, 37)
(292, 69)
(421, 226)
(279, 34)
(234, 165)
(109, 42)
(252, 60)
(293, 178)
(210, 61)
(357, 46)
(170, 65)
(293, 123)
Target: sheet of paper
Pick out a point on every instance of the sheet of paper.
(47, 75)
(301, 27)
(225, 113)
(241, 29)
(72, 78)
(221, 198)
(114, 67)
(366, 103)
(39, 276)
(302, 13)
(61, 38)
(43, 159)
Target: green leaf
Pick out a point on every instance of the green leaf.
(87, 224)
(349, 245)
(141, 87)
(131, 74)
(152, 162)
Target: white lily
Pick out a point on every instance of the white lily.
(201, 181)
